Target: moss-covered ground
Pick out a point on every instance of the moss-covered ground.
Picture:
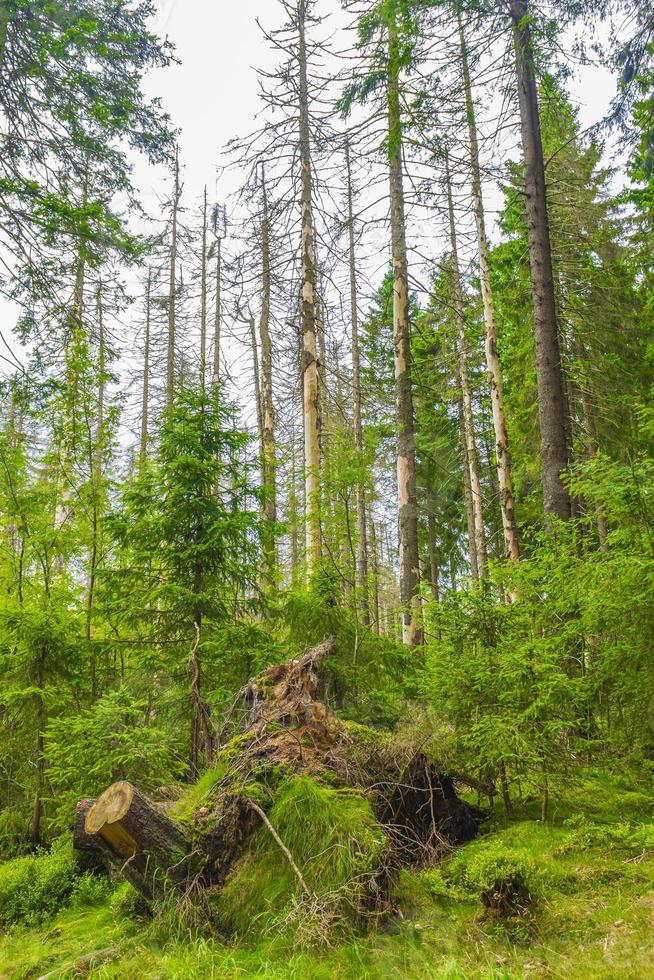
(590, 870)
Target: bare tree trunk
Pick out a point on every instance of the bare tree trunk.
(467, 499)
(267, 402)
(375, 575)
(257, 396)
(502, 453)
(362, 540)
(308, 316)
(549, 370)
(146, 374)
(172, 294)
(466, 397)
(406, 451)
(203, 297)
(292, 517)
(433, 558)
(218, 312)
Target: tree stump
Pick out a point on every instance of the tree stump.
(136, 835)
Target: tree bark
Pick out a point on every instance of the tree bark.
(375, 575)
(203, 296)
(218, 312)
(172, 294)
(466, 396)
(257, 397)
(308, 313)
(433, 558)
(146, 374)
(362, 537)
(406, 451)
(141, 836)
(549, 370)
(502, 453)
(467, 499)
(267, 402)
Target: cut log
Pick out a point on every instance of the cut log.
(95, 844)
(135, 834)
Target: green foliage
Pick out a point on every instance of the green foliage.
(116, 738)
(336, 844)
(32, 888)
(368, 676)
(504, 878)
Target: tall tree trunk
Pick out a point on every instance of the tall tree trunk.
(308, 315)
(433, 558)
(362, 541)
(466, 396)
(292, 516)
(467, 499)
(549, 370)
(257, 396)
(267, 402)
(502, 453)
(145, 406)
(406, 451)
(203, 296)
(374, 555)
(172, 294)
(218, 312)
(96, 480)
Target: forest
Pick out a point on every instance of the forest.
(327, 491)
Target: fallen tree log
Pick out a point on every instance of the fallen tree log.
(135, 835)
(278, 730)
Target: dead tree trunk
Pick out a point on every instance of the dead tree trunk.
(151, 850)
(218, 312)
(406, 449)
(172, 294)
(467, 499)
(308, 313)
(549, 369)
(466, 396)
(503, 456)
(362, 537)
(267, 402)
(203, 296)
(145, 406)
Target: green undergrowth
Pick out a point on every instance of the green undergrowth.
(589, 873)
(333, 837)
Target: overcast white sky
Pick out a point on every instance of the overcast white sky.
(212, 95)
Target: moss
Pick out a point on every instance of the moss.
(364, 733)
(336, 844)
(199, 793)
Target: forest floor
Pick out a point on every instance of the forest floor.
(594, 916)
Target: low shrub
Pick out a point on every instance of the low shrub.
(504, 879)
(585, 834)
(127, 903)
(34, 887)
